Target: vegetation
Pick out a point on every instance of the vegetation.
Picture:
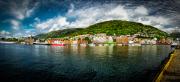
(113, 27)
(58, 34)
(9, 39)
(87, 39)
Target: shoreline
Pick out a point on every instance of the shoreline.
(163, 67)
(94, 44)
(7, 42)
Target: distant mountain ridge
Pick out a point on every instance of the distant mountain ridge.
(112, 27)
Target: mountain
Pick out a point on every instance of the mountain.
(58, 33)
(113, 27)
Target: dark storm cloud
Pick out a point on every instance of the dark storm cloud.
(167, 8)
(21, 15)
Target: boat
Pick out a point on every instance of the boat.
(92, 44)
(134, 44)
(41, 43)
(119, 44)
(57, 43)
(83, 45)
(74, 44)
(174, 45)
(100, 44)
(5, 42)
(178, 47)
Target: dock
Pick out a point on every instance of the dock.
(171, 71)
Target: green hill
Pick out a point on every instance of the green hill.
(113, 27)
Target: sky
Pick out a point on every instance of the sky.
(31, 17)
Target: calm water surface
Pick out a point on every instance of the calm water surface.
(40, 63)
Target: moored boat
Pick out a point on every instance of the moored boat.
(92, 44)
(174, 44)
(83, 45)
(5, 42)
(100, 44)
(57, 43)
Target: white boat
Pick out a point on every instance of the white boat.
(119, 44)
(100, 44)
(74, 44)
(134, 44)
(4, 42)
(92, 44)
(23, 43)
(174, 44)
(41, 43)
(83, 45)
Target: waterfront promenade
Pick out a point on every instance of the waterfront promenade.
(172, 73)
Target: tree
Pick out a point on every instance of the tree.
(87, 39)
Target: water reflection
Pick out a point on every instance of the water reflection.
(79, 63)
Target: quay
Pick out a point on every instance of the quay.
(171, 70)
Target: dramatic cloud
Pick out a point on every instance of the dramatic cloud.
(4, 33)
(153, 20)
(19, 16)
(22, 10)
(90, 15)
(15, 24)
(83, 17)
(53, 24)
(25, 33)
(141, 10)
(87, 16)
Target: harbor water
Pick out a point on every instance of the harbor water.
(42, 63)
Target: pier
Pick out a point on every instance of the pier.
(171, 70)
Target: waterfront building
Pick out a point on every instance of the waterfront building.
(29, 40)
(99, 39)
(74, 42)
(102, 38)
(110, 39)
(67, 41)
(37, 41)
(165, 41)
(56, 41)
(122, 39)
(82, 41)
